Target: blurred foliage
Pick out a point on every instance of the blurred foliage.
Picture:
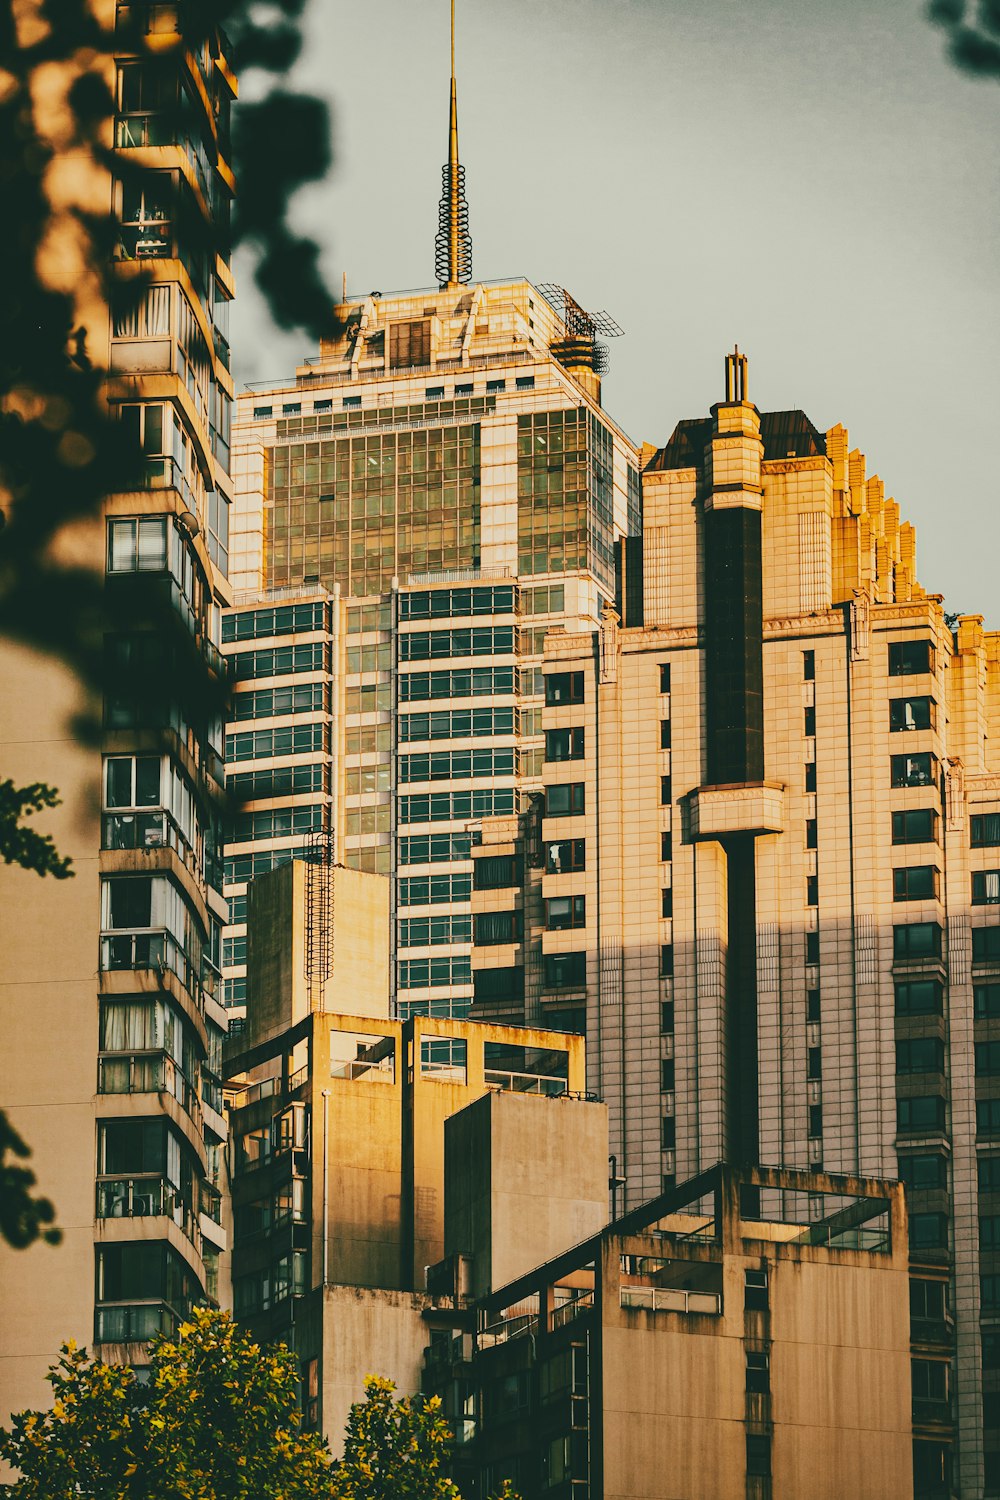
(22, 1217)
(973, 31)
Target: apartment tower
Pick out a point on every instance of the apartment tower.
(111, 1018)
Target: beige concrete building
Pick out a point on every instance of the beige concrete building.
(762, 873)
(741, 1336)
(112, 1028)
(338, 1123)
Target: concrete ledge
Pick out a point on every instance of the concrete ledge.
(752, 807)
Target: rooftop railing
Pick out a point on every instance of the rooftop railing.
(671, 1299)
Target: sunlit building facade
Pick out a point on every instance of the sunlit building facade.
(110, 996)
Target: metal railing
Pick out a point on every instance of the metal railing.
(567, 1311)
(506, 1329)
(382, 1071)
(146, 1196)
(524, 1083)
(671, 1299)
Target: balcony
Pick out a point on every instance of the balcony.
(146, 1196)
(148, 1073)
(133, 1323)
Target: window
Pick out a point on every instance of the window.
(987, 1059)
(986, 945)
(565, 911)
(909, 657)
(988, 1116)
(812, 834)
(323, 405)
(263, 411)
(930, 1379)
(463, 390)
(989, 1174)
(911, 713)
(668, 1133)
(919, 997)
(808, 665)
(495, 385)
(565, 855)
(565, 970)
(268, 703)
(497, 927)
(931, 1470)
(409, 343)
(928, 1231)
(917, 940)
(667, 1075)
(758, 1454)
(812, 1005)
(351, 403)
(815, 1120)
(812, 947)
(810, 776)
(913, 770)
(493, 872)
(434, 392)
(137, 544)
(984, 830)
(989, 1293)
(666, 849)
(928, 1302)
(564, 800)
(428, 932)
(499, 984)
(564, 744)
(665, 791)
(985, 887)
(477, 640)
(810, 722)
(666, 960)
(419, 973)
(986, 999)
(664, 677)
(667, 902)
(525, 382)
(924, 1112)
(563, 687)
(923, 1054)
(132, 781)
(292, 408)
(989, 1232)
(664, 734)
(758, 1370)
(286, 619)
(914, 883)
(667, 1017)
(916, 826)
(812, 890)
(815, 1063)
(458, 765)
(920, 1173)
(444, 1058)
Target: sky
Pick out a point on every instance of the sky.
(810, 179)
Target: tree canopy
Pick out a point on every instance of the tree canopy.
(217, 1419)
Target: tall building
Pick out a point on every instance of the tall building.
(111, 1017)
(764, 870)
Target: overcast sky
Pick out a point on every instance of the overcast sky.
(809, 178)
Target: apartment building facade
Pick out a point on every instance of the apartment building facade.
(762, 873)
(446, 467)
(112, 1018)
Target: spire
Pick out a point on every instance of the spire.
(453, 245)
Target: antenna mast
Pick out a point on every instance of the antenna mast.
(453, 245)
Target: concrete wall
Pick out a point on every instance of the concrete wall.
(525, 1179)
(367, 1332)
